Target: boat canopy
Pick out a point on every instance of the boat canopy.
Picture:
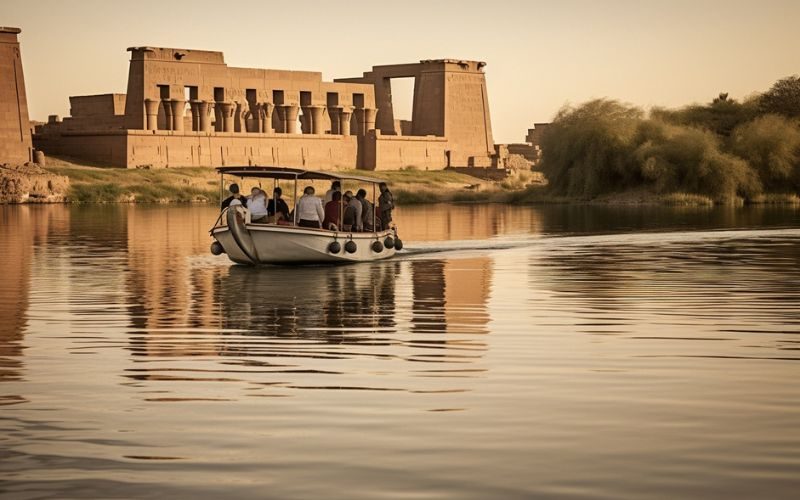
(292, 173)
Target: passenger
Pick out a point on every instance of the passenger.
(358, 224)
(336, 186)
(283, 208)
(235, 198)
(349, 215)
(386, 204)
(333, 212)
(257, 204)
(309, 209)
(367, 211)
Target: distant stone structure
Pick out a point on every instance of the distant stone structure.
(20, 180)
(15, 133)
(188, 108)
(531, 149)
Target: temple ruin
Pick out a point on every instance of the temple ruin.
(15, 132)
(188, 108)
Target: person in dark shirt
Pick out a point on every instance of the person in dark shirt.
(283, 208)
(367, 210)
(333, 210)
(386, 204)
(241, 200)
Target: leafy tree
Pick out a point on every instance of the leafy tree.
(679, 158)
(587, 149)
(771, 144)
(720, 116)
(783, 98)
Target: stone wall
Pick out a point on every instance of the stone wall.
(15, 134)
(390, 152)
(161, 149)
(188, 108)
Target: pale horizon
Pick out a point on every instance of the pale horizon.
(539, 56)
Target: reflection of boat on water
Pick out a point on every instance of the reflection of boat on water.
(277, 243)
(288, 301)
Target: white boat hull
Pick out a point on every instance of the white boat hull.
(275, 244)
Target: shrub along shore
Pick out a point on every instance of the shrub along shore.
(721, 152)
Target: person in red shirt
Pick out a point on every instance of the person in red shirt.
(333, 211)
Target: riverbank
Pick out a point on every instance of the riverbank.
(97, 184)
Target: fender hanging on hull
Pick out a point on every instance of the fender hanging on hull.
(242, 236)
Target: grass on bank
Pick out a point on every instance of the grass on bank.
(97, 184)
(114, 185)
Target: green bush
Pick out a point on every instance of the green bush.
(688, 159)
(771, 144)
(588, 148)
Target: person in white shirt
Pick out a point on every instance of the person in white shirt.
(309, 209)
(335, 186)
(257, 204)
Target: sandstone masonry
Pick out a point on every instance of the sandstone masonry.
(188, 108)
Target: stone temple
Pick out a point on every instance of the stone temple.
(15, 132)
(188, 108)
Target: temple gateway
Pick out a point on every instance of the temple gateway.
(188, 108)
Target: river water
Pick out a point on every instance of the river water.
(511, 352)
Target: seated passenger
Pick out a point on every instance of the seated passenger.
(257, 204)
(283, 208)
(349, 213)
(386, 202)
(333, 212)
(309, 209)
(367, 211)
(235, 198)
(335, 186)
(355, 204)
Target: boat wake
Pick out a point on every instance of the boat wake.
(565, 241)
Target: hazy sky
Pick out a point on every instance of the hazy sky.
(540, 54)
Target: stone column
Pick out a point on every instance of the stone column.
(334, 112)
(219, 123)
(266, 117)
(305, 120)
(167, 113)
(255, 112)
(194, 108)
(281, 109)
(345, 113)
(369, 118)
(151, 111)
(178, 112)
(239, 115)
(204, 109)
(290, 112)
(358, 114)
(227, 110)
(316, 119)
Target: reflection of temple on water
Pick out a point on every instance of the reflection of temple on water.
(465, 222)
(166, 290)
(451, 295)
(24, 232)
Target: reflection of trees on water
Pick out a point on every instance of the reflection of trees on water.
(715, 279)
(616, 218)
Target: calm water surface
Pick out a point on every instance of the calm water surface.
(512, 352)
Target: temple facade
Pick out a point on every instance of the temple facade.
(15, 132)
(188, 108)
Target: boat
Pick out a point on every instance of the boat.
(284, 242)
